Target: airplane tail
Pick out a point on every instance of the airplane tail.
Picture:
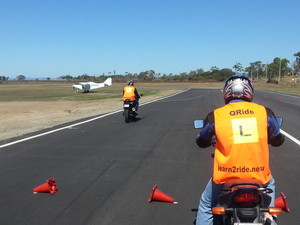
(108, 81)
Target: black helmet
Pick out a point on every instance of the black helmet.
(238, 87)
(130, 83)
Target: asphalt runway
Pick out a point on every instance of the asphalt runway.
(105, 169)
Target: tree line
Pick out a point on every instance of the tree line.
(272, 72)
(257, 70)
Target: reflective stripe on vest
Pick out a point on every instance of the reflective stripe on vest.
(242, 150)
(129, 93)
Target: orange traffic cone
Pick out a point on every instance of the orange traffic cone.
(282, 203)
(157, 195)
(48, 187)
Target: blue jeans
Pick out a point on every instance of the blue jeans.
(209, 200)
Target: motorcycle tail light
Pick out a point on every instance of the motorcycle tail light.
(246, 199)
(218, 210)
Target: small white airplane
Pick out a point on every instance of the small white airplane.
(87, 86)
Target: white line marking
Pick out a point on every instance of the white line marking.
(290, 137)
(83, 122)
(274, 92)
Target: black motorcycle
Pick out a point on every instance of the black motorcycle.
(129, 110)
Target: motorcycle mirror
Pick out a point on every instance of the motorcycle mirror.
(198, 123)
(279, 121)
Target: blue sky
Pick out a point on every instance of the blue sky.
(43, 38)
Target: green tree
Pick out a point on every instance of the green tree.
(265, 70)
(278, 68)
(296, 65)
(250, 70)
(151, 74)
(4, 78)
(214, 68)
(20, 77)
(258, 69)
(148, 75)
(66, 77)
(85, 77)
(222, 74)
(238, 67)
(255, 70)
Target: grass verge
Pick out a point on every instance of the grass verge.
(63, 91)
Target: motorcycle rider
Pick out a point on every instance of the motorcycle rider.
(243, 130)
(130, 92)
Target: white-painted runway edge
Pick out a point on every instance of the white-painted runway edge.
(85, 121)
(290, 137)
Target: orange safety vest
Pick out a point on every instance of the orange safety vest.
(129, 93)
(242, 150)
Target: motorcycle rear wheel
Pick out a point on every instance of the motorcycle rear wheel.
(126, 115)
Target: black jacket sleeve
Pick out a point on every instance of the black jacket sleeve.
(136, 94)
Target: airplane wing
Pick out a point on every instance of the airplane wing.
(96, 85)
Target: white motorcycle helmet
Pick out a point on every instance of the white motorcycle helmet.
(238, 87)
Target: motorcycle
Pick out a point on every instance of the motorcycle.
(129, 110)
(242, 202)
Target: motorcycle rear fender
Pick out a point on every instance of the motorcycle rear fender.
(226, 195)
(127, 103)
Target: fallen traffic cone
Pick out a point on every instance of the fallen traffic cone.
(157, 195)
(282, 203)
(48, 187)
